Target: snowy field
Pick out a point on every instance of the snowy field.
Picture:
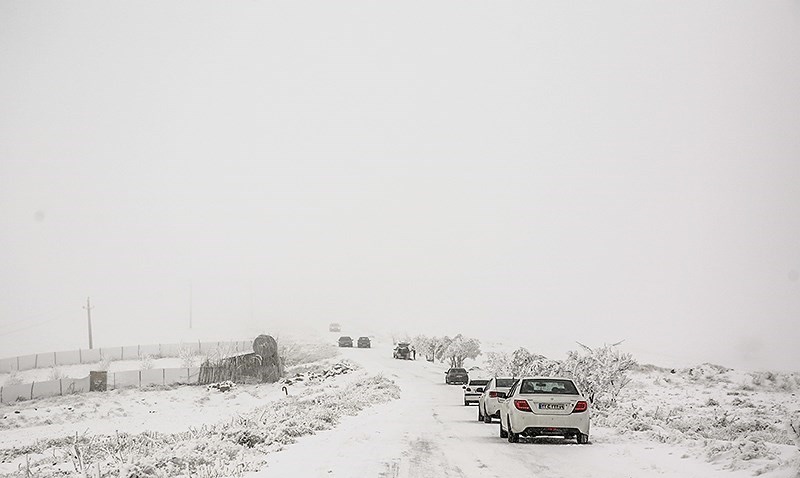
(364, 414)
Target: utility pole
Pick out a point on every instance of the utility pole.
(89, 308)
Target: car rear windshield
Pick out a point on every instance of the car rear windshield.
(479, 383)
(548, 386)
(505, 382)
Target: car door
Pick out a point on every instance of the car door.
(505, 401)
(482, 398)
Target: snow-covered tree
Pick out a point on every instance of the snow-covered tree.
(599, 372)
(441, 346)
(523, 362)
(425, 346)
(498, 364)
(461, 348)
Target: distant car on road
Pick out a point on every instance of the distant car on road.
(488, 406)
(473, 390)
(364, 343)
(402, 351)
(345, 341)
(334, 327)
(544, 406)
(456, 376)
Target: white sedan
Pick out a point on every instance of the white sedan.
(488, 406)
(544, 406)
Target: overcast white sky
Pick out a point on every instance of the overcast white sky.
(535, 172)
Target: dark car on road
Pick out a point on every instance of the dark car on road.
(402, 351)
(364, 343)
(457, 376)
(345, 341)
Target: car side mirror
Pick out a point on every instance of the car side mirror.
(502, 395)
(464, 387)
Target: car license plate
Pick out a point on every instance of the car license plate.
(551, 406)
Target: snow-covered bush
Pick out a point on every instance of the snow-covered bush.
(189, 358)
(146, 362)
(497, 364)
(601, 372)
(426, 346)
(459, 349)
(104, 364)
(13, 378)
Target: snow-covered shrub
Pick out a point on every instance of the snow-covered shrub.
(189, 358)
(601, 373)
(13, 378)
(460, 348)
(497, 364)
(426, 346)
(104, 364)
(146, 362)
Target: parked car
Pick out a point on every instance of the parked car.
(334, 327)
(473, 390)
(364, 343)
(345, 341)
(402, 351)
(488, 406)
(456, 376)
(544, 406)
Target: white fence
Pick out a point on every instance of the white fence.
(116, 380)
(130, 352)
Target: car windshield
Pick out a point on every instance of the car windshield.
(505, 382)
(478, 383)
(548, 386)
(457, 370)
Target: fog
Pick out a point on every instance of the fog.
(533, 173)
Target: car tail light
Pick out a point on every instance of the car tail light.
(492, 394)
(522, 405)
(581, 406)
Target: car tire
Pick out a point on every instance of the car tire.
(486, 417)
(480, 413)
(466, 403)
(503, 433)
(512, 437)
(582, 438)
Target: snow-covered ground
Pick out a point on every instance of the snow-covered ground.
(703, 422)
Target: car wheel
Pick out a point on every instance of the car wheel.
(480, 413)
(466, 403)
(503, 433)
(512, 437)
(486, 417)
(582, 438)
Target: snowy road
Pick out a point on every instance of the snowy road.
(429, 433)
